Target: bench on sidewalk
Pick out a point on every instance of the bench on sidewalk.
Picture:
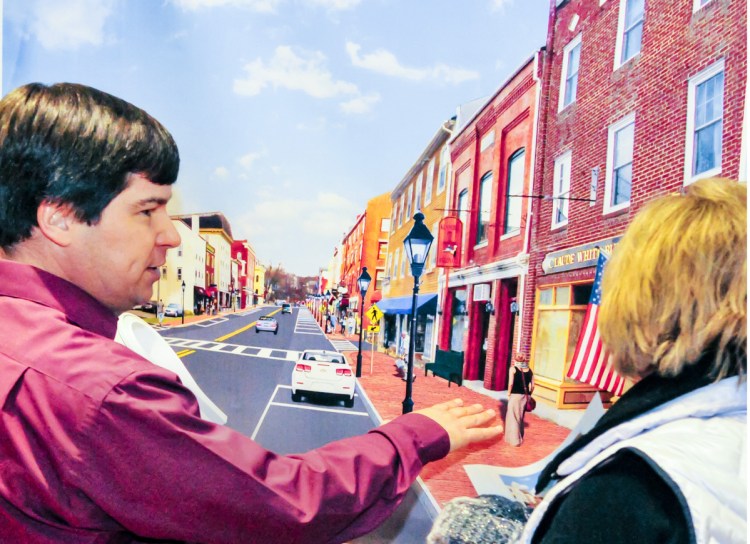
(448, 365)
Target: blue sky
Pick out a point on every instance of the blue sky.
(289, 114)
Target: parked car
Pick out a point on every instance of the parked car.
(173, 310)
(149, 307)
(323, 372)
(267, 323)
(286, 308)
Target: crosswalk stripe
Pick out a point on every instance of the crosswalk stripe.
(191, 346)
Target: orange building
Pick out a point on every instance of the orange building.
(365, 245)
(423, 188)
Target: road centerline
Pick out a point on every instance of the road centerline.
(242, 329)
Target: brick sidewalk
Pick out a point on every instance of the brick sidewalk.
(446, 479)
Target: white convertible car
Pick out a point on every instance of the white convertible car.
(323, 372)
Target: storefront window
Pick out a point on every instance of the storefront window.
(545, 296)
(558, 324)
(562, 296)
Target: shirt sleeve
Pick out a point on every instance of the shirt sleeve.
(162, 472)
(621, 502)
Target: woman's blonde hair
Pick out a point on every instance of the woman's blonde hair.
(676, 285)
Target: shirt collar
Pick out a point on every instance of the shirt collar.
(23, 281)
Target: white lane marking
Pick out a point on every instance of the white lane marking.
(271, 402)
(211, 322)
(265, 352)
(343, 345)
(319, 409)
(263, 415)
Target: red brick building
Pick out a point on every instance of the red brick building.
(244, 253)
(638, 102)
(492, 160)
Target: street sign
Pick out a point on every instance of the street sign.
(374, 314)
(373, 328)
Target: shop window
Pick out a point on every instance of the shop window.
(620, 144)
(514, 190)
(560, 311)
(463, 210)
(487, 141)
(582, 293)
(630, 30)
(444, 166)
(561, 190)
(485, 201)
(382, 250)
(545, 296)
(408, 202)
(705, 123)
(418, 193)
(430, 180)
(569, 83)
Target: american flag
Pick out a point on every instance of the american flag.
(591, 362)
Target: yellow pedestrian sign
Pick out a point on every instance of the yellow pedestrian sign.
(374, 314)
(373, 328)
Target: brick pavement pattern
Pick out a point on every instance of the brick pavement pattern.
(446, 479)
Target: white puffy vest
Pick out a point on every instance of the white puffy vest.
(699, 442)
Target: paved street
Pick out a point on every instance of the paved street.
(248, 375)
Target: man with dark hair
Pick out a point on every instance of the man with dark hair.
(98, 444)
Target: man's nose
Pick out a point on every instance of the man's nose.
(168, 235)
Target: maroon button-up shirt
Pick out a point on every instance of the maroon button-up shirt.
(99, 445)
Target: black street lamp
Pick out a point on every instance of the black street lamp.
(183, 302)
(363, 282)
(416, 244)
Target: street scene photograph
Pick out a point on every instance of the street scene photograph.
(373, 271)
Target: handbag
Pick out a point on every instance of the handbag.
(530, 402)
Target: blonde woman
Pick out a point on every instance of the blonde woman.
(667, 463)
(520, 384)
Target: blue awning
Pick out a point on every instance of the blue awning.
(402, 305)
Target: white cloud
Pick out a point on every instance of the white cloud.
(360, 104)
(335, 5)
(305, 72)
(221, 172)
(260, 6)
(384, 62)
(500, 5)
(247, 160)
(71, 24)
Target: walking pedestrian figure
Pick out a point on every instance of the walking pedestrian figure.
(160, 311)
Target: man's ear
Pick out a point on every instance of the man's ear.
(55, 221)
